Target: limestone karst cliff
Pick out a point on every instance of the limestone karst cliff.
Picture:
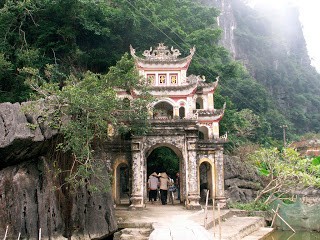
(270, 43)
(31, 197)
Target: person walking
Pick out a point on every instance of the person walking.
(153, 183)
(164, 183)
(172, 189)
(177, 184)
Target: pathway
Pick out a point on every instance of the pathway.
(174, 222)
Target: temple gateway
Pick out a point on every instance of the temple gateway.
(183, 118)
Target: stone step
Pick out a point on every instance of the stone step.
(260, 234)
(130, 237)
(137, 231)
(236, 228)
(182, 230)
(133, 233)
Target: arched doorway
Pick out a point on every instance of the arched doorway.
(182, 112)
(122, 183)
(199, 103)
(164, 159)
(163, 110)
(203, 133)
(206, 180)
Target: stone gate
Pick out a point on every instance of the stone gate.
(182, 118)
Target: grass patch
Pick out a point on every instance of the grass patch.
(251, 206)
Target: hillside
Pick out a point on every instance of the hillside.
(56, 39)
(270, 43)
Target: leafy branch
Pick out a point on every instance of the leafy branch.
(87, 106)
(284, 171)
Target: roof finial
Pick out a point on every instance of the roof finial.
(132, 51)
(192, 50)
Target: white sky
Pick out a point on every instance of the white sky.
(310, 19)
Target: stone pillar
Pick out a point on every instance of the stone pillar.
(193, 195)
(137, 201)
(176, 112)
(220, 197)
(210, 101)
(215, 130)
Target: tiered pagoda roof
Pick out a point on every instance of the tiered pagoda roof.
(162, 55)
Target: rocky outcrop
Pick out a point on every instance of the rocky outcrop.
(310, 195)
(31, 195)
(22, 135)
(241, 181)
(30, 200)
(227, 22)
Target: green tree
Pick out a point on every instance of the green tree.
(85, 108)
(163, 159)
(284, 171)
(248, 123)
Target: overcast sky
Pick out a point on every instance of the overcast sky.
(310, 19)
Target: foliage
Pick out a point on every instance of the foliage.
(309, 135)
(163, 159)
(87, 106)
(72, 37)
(247, 124)
(250, 206)
(283, 171)
(272, 43)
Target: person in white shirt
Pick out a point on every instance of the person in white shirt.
(164, 184)
(153, 184)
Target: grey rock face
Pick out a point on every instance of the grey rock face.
(241, 182)
(22, 136)
(32, 197)
(29, 201)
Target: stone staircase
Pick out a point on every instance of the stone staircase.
(236, 228)
(155, 223)
(236, 225)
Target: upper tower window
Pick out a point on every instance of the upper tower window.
(151, 78)
(162, 79)
(199, 103)
(173, 79)
(203, 133)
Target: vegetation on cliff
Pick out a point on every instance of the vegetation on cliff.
(86, 112)
(73, 37)
(60, 41)
(284, 172)
(76, 36)
(271, 44)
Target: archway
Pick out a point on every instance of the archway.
(203, 133)
(182, 112)
(164, 159)
(122, 183)
(163, 110)
(199, 103)
(206, 180)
